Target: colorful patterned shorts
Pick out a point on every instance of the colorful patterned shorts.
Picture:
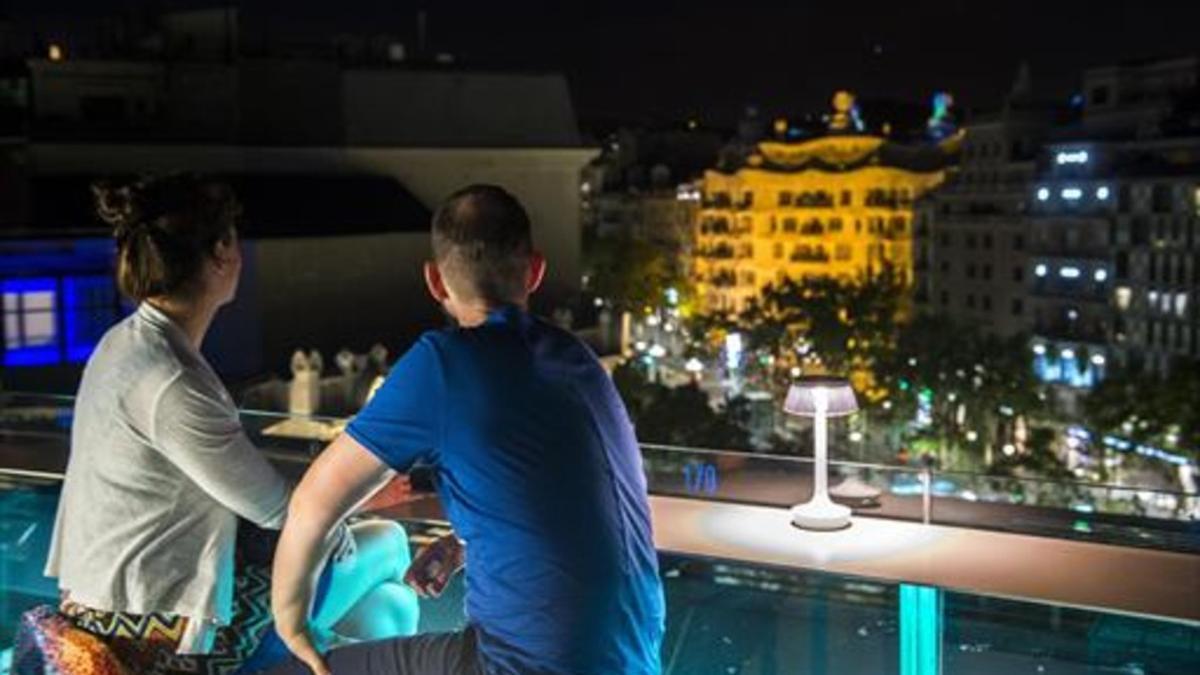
(146, 643)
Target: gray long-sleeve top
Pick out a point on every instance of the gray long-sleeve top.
(159, 471)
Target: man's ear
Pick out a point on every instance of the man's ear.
(435, 283)
(537, 272)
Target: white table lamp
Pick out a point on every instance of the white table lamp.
(820, 398)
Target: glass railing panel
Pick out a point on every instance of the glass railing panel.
(35, 414)
(781, 480)
(736, 616)
(994, 635)
(35, 433)
(1064, 509)
(728, 617)
(1093, 512)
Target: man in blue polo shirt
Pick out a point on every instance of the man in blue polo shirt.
(538, 470)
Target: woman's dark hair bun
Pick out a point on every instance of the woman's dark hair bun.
(116, 205)
(165, 228)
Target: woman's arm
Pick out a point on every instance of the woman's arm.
(199, 431)
(341, 478)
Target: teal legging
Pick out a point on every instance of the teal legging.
(358, 580)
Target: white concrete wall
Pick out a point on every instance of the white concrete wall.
(546, 180)
(390, 107)
(59, 87)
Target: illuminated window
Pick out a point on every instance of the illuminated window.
(1072, 157)
(1072, 194)
(1043, 194)
(1040, 270)
(1123, 297)
(1102, 193)
(1069, 272)
(49, 321)
(30, 322)
(1181, 300)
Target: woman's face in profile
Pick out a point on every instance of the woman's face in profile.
(226, 269)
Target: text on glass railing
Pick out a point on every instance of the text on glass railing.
(700, 478)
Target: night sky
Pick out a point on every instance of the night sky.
(659, 62)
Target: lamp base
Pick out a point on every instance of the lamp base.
(821, 514)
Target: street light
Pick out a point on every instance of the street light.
(820, 398)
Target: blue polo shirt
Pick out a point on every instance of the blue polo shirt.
(540, 473)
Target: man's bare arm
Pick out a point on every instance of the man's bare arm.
(342, 477)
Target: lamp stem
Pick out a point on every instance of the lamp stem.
(821, 454)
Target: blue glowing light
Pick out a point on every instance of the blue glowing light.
(77, 310)
(1124, 445)
(1043, 194)
(941, 123)
(20, 348)
(920, 630)
(1072, 194)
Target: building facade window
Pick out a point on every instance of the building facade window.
(55, 320)
(31, 335)
(1018, 274)
(1017, 307)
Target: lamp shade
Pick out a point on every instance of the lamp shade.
(810, 395)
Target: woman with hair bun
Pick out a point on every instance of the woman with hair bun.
(160, 470)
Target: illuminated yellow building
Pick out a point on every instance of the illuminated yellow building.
(840, 205)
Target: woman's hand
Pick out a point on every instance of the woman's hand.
(397, 491)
